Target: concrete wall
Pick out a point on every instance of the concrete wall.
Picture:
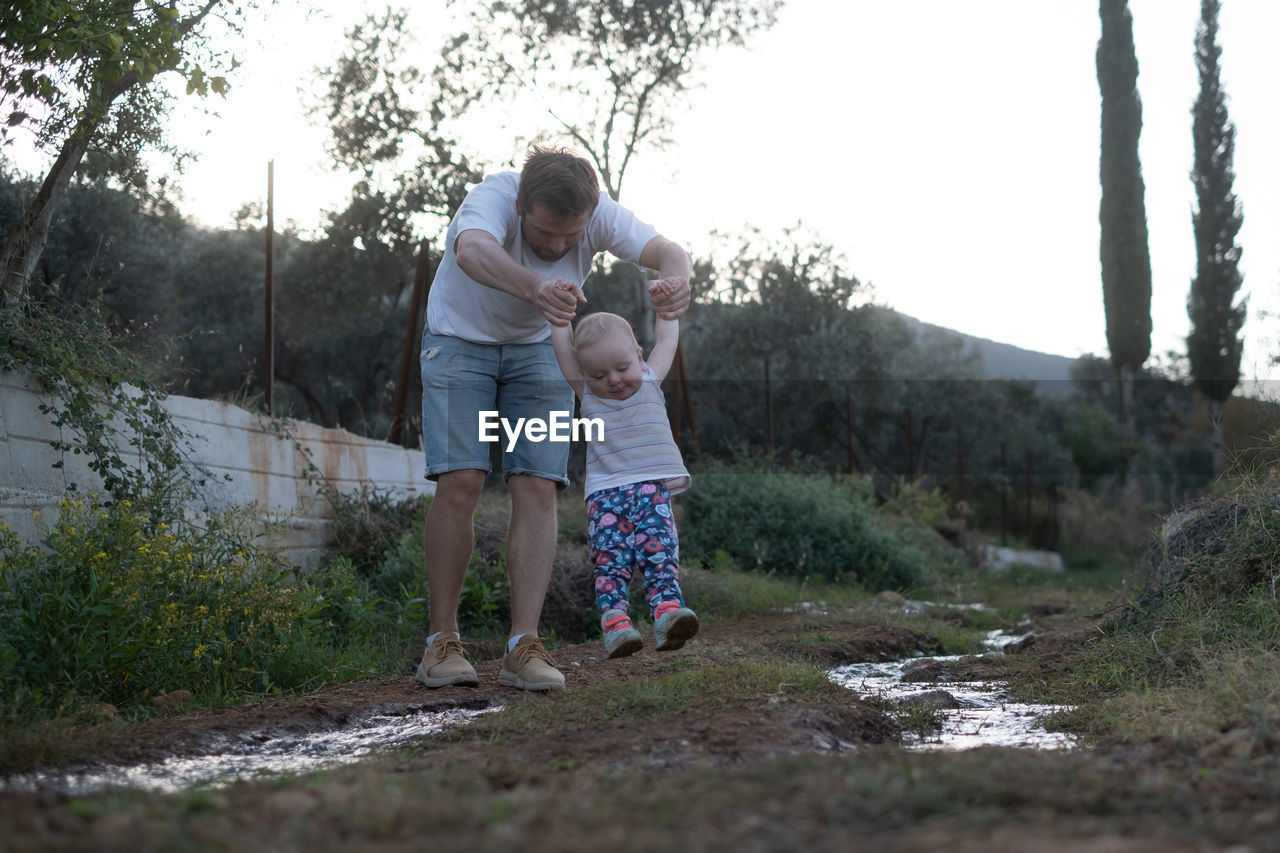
(252, 465)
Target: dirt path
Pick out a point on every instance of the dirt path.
(729, 731)
(771, 772)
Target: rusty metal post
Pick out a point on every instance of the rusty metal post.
(848, 429)
(688, 404)
(1004, 506)
(682, 405)
(423, 275)
(269, 345)
(768, 410)
(1026, 522)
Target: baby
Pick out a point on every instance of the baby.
(631, 473)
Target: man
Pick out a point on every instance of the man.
(514, 243)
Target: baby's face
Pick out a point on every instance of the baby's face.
(611, 367)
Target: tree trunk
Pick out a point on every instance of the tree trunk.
(1215, 443)
(1129, 418)
(26, 242)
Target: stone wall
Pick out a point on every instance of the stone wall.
(252, 464)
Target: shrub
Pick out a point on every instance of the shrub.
(797, 524)
(117, 607)
(367, 524)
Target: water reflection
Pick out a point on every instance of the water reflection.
(247, 757)
(974, 713)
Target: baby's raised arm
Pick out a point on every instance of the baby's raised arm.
(562, 343)
(666, 334)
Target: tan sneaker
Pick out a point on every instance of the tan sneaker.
(444, 663)
(528, 666)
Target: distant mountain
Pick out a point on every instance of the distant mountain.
(1005, 361)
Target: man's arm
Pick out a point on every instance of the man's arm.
(674, 266)
(562, 343)
(482, 257)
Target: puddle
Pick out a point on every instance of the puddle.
(251, 757)
(980, 715)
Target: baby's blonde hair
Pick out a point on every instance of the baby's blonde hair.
(598, 326)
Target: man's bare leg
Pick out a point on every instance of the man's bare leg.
(448, 539)
(531, 547)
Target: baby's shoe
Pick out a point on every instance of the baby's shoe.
(673, 625)
(620, 638)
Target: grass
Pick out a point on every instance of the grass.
(639, 700)
(1177, 691)
(878, 797)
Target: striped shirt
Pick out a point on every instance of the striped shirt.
(637, 445)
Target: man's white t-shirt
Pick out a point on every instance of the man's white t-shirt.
(462, 307)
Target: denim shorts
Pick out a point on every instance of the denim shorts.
(461, 379)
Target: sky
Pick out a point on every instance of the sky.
(949, 152)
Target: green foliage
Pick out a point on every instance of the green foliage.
(119, 607)
(1215, 345)
(116, 607)
(1126, 260)
(82, 79)
(366, 524)
(120, 246)
(800, 525)
(483, 606)
(61, 59)
(1190, 654)
(380, 540)
(98, 395)
(390, 123)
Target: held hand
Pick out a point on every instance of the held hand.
(670, 296)
(558, 299)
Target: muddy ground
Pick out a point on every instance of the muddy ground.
(769, 772)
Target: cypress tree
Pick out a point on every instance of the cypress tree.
(1126, 260)
(1215, 344)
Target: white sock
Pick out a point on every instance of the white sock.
(511, 644)
(432, 638)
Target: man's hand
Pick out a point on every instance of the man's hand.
(558, 299)
(670, 296)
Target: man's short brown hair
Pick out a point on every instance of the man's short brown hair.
(562, 181)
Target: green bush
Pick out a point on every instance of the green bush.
(116, 607)
(368, 523)
(797, 524)
(483, 605)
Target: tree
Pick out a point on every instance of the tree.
(79, 76)
(111, 246)
(1215, 344)
(1126, 260)
(609, 74)
(605, 74)
(389, 124)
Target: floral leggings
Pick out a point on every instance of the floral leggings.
(629, 526)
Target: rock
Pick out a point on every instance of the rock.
(999, 559)
(935, 700)
(1020, 646)
(172, 700)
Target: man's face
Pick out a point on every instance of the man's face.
(548, 235)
